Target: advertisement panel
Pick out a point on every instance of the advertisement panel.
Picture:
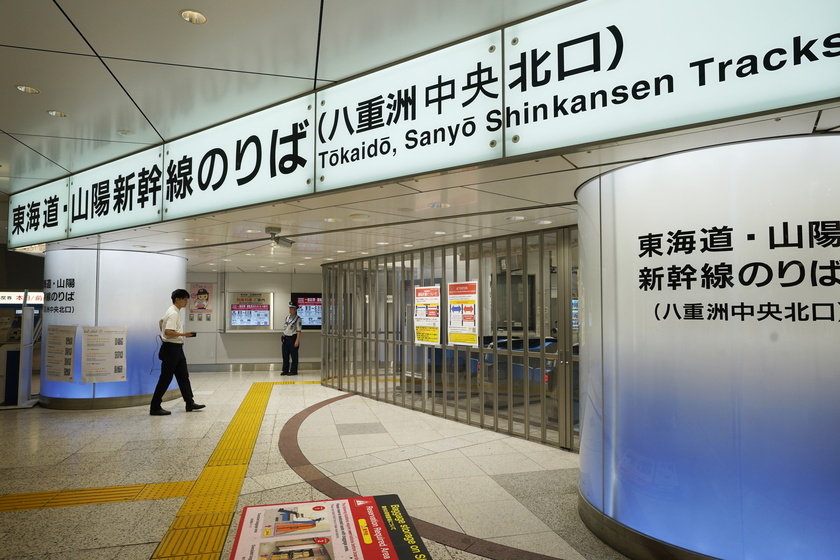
(427, 314)
(463, 313)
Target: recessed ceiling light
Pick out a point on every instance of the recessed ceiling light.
(382, 243)
(543, 222)
(139, 246)
(189, 239)
(307, 258)
(515, 218)
(364, 253)
(28, 89)
(465, 235)
(124, 132)
(408, 245)
(300, 264)
(438, 233)
(227, 260)
(54, 113)
(439, 205)
(341, 251)
(281, 263)
(211, 264)
(193, 17)
(332, 220)
(262, 266)
(249, 254)
(253, 231)
(328, 259)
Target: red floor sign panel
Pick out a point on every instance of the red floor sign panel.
(363, 528)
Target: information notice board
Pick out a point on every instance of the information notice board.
(362, 528)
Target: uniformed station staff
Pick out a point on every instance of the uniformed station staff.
(290, 339)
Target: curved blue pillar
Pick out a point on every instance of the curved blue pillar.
(89, 287)
(710, 321)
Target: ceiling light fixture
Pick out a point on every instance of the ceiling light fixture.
(439, 205)
(332, 220)
(193, 16)
(515, 218)
(438, 233)
(466, 235)
(54, 113)
(382, 243)
(124, 132)
(543, 222)
(28, 89)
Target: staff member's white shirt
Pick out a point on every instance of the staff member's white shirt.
(172, 321)
(292, 326)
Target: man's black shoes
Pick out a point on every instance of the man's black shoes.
(194, 406)
(160, 412)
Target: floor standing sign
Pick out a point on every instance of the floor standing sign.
(362, 528)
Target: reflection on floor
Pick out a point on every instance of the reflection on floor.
(122, 485)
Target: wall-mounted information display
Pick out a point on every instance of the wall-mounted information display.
(309, 309)
(249, 311)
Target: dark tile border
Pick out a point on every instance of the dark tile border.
(290, 450)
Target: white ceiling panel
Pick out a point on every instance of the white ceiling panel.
(187, 94)
(263, 36)
(829, 120)
(37, 24)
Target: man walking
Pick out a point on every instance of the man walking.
(290, 339)
(172, 359)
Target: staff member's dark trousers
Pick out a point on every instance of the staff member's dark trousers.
(172, 363)
(289, 351)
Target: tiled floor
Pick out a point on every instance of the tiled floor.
(473, 493)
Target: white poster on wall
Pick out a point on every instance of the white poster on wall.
(60, 352)
(103, 354)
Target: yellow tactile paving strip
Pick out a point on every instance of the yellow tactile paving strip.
(201, 525)
(86, 496)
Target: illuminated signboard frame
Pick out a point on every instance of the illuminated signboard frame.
(597, 70)
(249, 311)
